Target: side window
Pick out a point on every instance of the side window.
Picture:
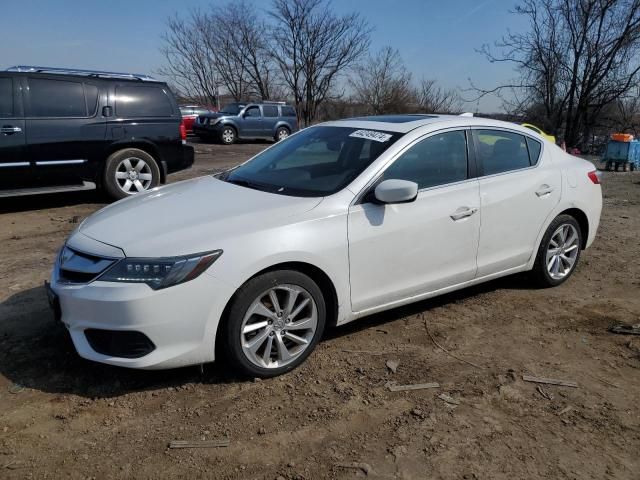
(501, 151)
(56, 98)
(6, 97)
(288, 111)
(534, 150)
(134, 101)
(91, 92)
(270, 110)
(252, 112)
(436, 160)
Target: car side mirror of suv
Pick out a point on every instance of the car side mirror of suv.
(396, 191)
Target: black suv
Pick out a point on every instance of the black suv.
(63, 129)
(247, 120)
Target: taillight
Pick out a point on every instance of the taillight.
(593, 176)
(183, 131)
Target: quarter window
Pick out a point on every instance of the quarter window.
(142, 102)
(501, 151)
(534, 150)
(6, 97)
(56, 98)
(288, 111)
(436, 160)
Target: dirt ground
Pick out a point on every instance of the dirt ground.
(334, 417)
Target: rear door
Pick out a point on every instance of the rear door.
(65, 130)
(269, 120)
(519, 187)
(15, 171)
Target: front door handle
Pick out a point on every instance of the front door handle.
(544, 190)
(463, 212)
(10, 129)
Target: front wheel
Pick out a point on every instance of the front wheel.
(228, 135)
(559, 252)
(273, 324)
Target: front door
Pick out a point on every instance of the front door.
(252, 122)
(405, 250)
(15, 170)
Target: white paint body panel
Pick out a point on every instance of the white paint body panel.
(376, 256)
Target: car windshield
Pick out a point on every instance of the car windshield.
(231, 109)
(316, 162)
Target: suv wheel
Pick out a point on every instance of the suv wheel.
(281, 133)
(559, 252)
(228, 135)
(273, 324)
(130, 171)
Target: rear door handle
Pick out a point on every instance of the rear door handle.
(544, 190)
(10, 129)
(463, 212)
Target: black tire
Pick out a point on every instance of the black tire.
(281, 133)
(540, 271)
(228, 135)
(229, 337)
(632, 167)
(111, 184)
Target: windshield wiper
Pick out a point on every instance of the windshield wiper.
(248, 184)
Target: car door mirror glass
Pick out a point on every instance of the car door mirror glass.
(396, 191)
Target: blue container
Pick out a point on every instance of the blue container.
(623, 153)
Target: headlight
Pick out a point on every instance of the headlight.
(160, 272)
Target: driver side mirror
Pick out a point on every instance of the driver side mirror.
(396, 191)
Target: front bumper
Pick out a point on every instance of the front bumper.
(206, 130)
(180, 321)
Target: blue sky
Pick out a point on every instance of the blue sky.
(437, 39)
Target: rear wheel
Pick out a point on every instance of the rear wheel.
(273, 324)
(281, 133)
(130, 171)
(559, 252)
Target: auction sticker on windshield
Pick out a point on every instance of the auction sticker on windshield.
(371, 135)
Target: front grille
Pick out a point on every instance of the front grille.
(117, 343)
(79, 267)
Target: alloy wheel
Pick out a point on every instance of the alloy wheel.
(562, 251)
(278, 326)
(228, 135)
(282, 134)
(133, 175)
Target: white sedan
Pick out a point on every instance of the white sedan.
(336, 222)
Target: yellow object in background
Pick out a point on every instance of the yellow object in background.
(551, 138)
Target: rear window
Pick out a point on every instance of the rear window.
(56, 98)
(270, 110)
(288, 111)
(142, 101)
(501, 151)
(6, 97)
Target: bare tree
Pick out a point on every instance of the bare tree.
(432, 98)
(190, 62)
(382, 83)
(313, 46)
(578, 57)
(246, 65)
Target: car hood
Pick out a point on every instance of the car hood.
(190, 217)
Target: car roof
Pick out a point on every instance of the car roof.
(409, 122)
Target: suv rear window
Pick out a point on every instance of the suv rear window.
(6, 97)
(288, 111)
(270, 110)
(142, 102)
(56, 98)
